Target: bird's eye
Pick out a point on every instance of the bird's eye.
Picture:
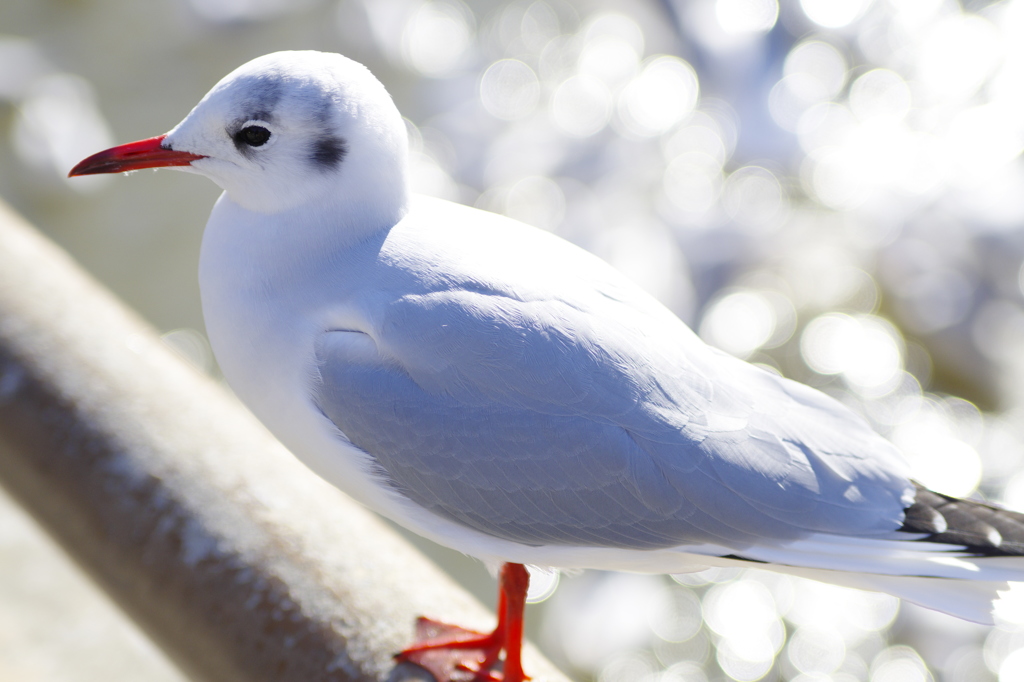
(254, 136)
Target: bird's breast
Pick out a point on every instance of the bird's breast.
(264, 324)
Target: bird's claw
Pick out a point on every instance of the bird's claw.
(481, 675)
(454, 654)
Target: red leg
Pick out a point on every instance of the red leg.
(515, 580)
(451, 653)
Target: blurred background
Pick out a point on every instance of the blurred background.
(832, 189)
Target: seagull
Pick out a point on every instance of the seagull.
(504, 393)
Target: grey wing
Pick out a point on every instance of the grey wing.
(543, 423)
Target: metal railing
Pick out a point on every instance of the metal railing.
(236, 560)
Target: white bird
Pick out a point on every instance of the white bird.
(504, 393)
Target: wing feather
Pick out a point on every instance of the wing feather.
(545, 410)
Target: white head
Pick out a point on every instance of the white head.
(286, 129)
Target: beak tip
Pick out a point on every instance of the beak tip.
(133, 156)
(82, 168)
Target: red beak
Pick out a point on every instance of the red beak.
(132, 156)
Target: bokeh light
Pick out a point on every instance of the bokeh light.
(899, 664)
(880, 94)
(937, 457)
(582, 105)
(437, 36)
(740, 323)
(543, 584)
(834, 13)
(659, 97)
(814, 72)
(754, 198)
(509, 89)
(746, 16)
(864, 350)
(956, 55)
(609, 53)
(744, 615)
(816, 651)
(58, 124)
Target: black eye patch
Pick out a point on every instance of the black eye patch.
(328, 152)
(253, 136)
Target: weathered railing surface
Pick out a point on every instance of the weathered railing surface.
(239, 563)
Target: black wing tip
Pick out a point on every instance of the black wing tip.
(976, 528)
(737, 557)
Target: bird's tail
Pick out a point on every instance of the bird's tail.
(950, 555)
(977, 601)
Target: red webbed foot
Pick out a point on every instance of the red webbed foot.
(454, 654)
